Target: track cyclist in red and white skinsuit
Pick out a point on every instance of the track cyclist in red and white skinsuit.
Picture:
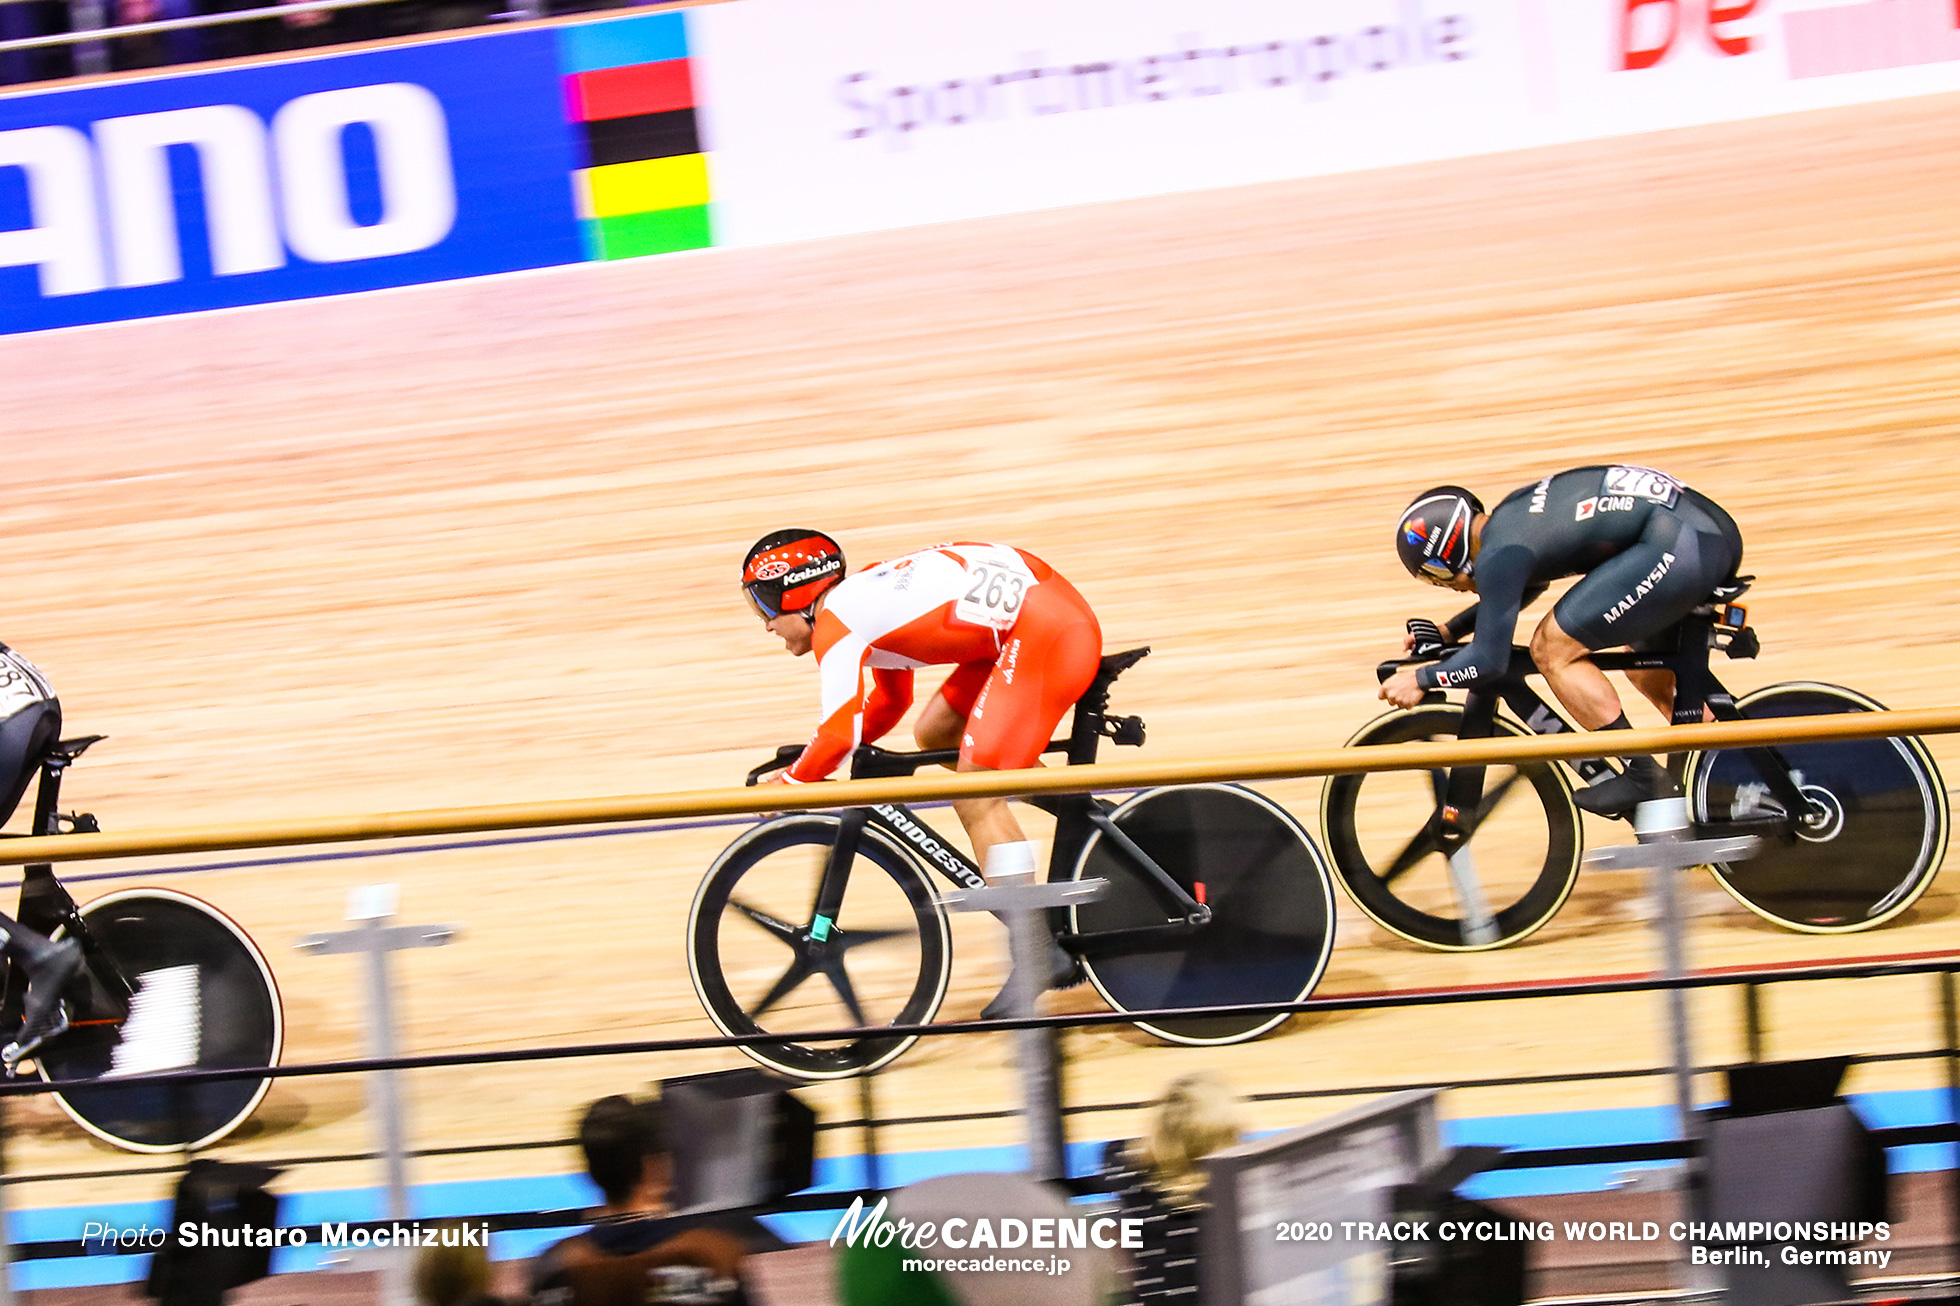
(1023, 643)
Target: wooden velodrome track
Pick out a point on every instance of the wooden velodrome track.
(475, 543)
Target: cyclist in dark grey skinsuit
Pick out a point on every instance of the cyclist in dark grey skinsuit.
(1648, 549)
(30, 721)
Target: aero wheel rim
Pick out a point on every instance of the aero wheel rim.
(1272, 911)
(1870, 855)
(882, 961)
(1523, 853)
(212, 1004)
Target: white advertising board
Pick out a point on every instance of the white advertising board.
(831, 116)
(1624, 66)
(825, 117)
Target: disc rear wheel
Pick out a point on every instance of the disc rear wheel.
(1875, 835)
(204, 1000)
(1272, 910)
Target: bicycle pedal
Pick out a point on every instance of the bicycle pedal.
(14, 1053)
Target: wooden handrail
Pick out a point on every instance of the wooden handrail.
(977, 784)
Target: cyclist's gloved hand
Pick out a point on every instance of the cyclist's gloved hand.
(785, 756)
(1425, 637)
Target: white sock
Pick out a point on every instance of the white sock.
(1015, 858)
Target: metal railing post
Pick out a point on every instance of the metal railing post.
(372, 907)
(867, 1114)
(1024, 905)
(6, 1242)
(1752, 1019)
(1664, 851)
(1950, 1044)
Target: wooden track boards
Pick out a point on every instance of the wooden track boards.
(476, 543)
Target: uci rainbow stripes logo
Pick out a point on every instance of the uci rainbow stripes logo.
(629, 92)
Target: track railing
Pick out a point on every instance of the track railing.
(983, 784)
(1102, 777)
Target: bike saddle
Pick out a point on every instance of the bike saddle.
(1732, 589)
(1115, 664)
(70, 749)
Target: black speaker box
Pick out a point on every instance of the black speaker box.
(738, 1138)
(1456, 1272)
(1789, 1149)
(223, 1196)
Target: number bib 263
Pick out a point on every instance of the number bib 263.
(996, 585)
(1642, 483)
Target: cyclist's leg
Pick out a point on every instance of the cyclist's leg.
(1046, 664)
(1583, 687)
(1710, 520)
(1630, 599)
(1568, 668)
(1657, 687)
(989, 822)
(24, 739)
(943, 719)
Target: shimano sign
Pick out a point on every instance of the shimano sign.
(236, 160)
(244, 186)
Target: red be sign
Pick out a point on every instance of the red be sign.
(1648, 28)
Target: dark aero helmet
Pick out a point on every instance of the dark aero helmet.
(788, 571)
(1433, 537)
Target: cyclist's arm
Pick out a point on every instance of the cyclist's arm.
(1503, 579)
(1459, 626)
(891, 694)
(840, 666)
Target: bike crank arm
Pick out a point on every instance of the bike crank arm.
(1479, 926)
(1775, 772)
(1427, 840)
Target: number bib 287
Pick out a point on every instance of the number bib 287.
(1642, 483)
(996, 585)
(21, 683)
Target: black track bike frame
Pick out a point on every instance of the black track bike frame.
(45, 906)
(1695, 688)
(1076, 817)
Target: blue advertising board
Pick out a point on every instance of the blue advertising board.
(286, 180)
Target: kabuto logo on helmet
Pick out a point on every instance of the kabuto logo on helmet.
(824, 568)
(788, 571)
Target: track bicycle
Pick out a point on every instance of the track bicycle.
(168, 982)
(824, 921)
(1852, 831)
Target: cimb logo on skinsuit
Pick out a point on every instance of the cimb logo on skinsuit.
(252, 221)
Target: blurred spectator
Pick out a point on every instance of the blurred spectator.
(300, 29)
(1158, 1179)
(637, 1250)
(22, 19)
(454, 1276)
(154, 49)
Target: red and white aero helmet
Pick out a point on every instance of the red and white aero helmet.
(789, 570)
(1433, 537)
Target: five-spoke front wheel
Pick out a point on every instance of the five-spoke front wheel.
(764, 962)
